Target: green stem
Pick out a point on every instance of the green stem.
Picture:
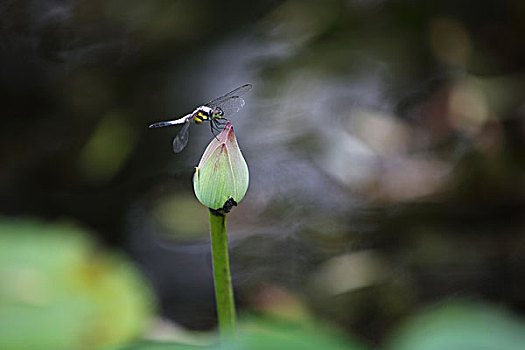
(222, 277)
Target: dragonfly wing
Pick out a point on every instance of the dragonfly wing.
(181, 140)
(234, 93)
(232, 105)
(170, 122)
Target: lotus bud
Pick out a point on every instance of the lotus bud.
(221, 178)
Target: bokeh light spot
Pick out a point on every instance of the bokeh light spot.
(107, 150)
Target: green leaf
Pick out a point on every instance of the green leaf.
(58, 292)
(462, 325)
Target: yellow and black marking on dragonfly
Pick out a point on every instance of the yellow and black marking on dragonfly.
(199, 117)
(212, 112)
(204, 113)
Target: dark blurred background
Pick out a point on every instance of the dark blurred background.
(385, 141)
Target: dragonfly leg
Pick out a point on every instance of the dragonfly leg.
(213, 127)
(219, 124)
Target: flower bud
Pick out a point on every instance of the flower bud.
(221, 178)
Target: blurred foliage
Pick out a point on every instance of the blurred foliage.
(154, 345)
(58, 292)
(455, 324)
(266, 333)
(461, 325)
(181, 217)
(106, 151)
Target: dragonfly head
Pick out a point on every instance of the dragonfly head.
(218, 113)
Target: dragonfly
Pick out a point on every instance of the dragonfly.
(214, 112)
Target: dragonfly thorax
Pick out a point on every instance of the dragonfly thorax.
(205, 113)
(201, 114)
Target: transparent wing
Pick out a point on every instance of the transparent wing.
(234, 93)
(170, 122)
(181, 140)
(232, 105)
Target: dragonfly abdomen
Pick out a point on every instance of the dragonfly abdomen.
(159, 125)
